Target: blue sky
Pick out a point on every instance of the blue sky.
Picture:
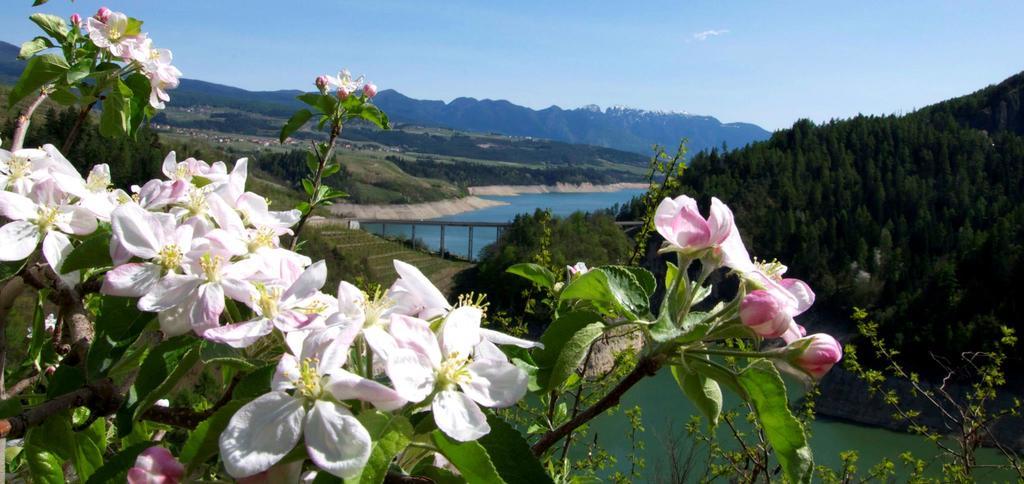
(764, 62)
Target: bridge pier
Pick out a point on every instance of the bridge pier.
(442, 240)
(469, 253)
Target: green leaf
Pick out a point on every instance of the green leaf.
(64, 97)
(39, 335)
(31, 47)
(92, 253)
(53, 25)
(720, 374)
(134, 27)
(374, 115)
(511, 455)
(174, 365)
(44, 466)
(202, 443)
(118, 324)
(767, 392)
(644, 277)
(256, 383)
(117, 111)
(88, 449)
(437, 475)
(115, 469)
(79, 71)
(573, 353)
(390, 434)
(295, 123)
(37, 3)
(470, 458)
(559, 332)
(702, 391)
(610, 286)
(307, 185)
(535, 273)
(39, 71)
(311, 99)
(139, 107)
(48, 446)
(9, 269)
(222, 354)
(163, 367)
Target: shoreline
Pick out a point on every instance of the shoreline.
(455, 206)
(513, 190)
(414, 211)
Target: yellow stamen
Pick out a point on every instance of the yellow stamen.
(169, 257)
(308, 383)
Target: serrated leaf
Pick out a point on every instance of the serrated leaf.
(134, 27)
(39, 71)
(115, 119)
(31, 47)
(610, 286)
(255, 383)
(573, 353)
(374, 115)
(174, 365)
(53, 25)
(295, 123)
(704, 392)
(535, 273)
(767, 392)
(64, 97)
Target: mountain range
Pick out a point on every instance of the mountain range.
(616, 127)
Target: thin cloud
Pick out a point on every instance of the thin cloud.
(705, 35)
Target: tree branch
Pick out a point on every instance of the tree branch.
(75, 316)
(21, 127)
(101, 397)
(647, 366)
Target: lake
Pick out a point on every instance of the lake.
(457, 238)
(665, 409)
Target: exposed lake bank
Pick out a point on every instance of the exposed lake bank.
(510, 190)
(414, 211)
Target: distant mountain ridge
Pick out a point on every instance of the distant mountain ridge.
(621, 128)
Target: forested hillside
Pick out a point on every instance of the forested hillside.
(920, 218)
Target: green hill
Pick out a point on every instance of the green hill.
(919, 218)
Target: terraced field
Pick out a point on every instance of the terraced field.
(379, 254)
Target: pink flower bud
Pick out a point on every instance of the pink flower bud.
(76, 19)
(50, 370)
(820, 353)
(343, 93)
(764, 314)
(321, 84)
(369, 90)
(103, 14)
(156, 464)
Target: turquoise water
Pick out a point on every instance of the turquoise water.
(457, 238)
(665, 410)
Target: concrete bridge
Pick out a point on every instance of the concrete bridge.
(444, 225)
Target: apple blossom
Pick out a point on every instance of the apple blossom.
(815, 354)
(153, 237)
(685, 230)
(266, 429)
(109, 30)
(369, 90)
(426, 368)
(156, 465)
(321, 84)
(764, 314)
(414, 294)
(577, 269)
(76, 19)
(276, 306)
(46, 217)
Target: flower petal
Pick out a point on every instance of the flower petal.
(134, 230)
(131, 280)
(335, 440)
(208, 306)
(415, 334)
(17, 207)
(240, 335)
(345, 385)
(495, 383)
(504, 339)
(411, 373)
(458, 416)
(461, 331)
(261, 433)
(19, 239)
(171, 291)
(308, 283)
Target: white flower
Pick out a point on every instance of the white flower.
(288, 308)
(263, 431)
(112, 34)
(423, 367)
(414, 294)
(153, 237)
(46, 218)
